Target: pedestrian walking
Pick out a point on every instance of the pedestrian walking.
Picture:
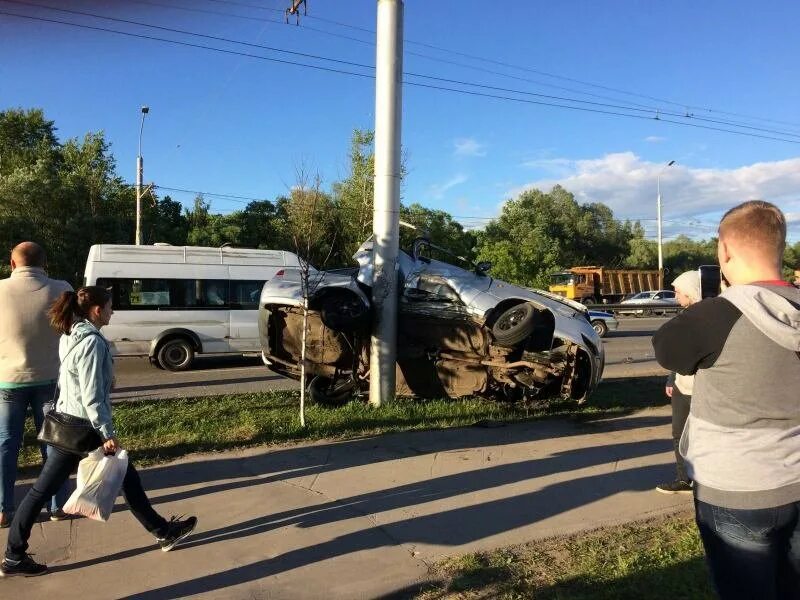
(679, 389)
(742, 438)
(84, 396)
(28, 364)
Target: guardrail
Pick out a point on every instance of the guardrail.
(647, 309)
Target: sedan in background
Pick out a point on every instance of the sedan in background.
(603, 322)
(665, 298)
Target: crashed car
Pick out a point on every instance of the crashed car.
(460, 332)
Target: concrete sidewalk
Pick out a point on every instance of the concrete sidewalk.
(361, 518)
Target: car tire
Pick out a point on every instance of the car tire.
(343, 312)
(514, 325)
(176, 354)
(588, 301)
(600, 327)
(323, 391)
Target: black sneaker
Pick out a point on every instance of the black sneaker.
(27, 567)
(59, 515)
(675, 487)
(177, 531)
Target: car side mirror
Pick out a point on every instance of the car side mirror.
(483, 267)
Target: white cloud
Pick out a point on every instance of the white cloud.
(438, 190)
(468, 147)
(555, 166)
(627, 184)
(655, 139)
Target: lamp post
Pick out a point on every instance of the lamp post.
(660, 240)
(139, 174)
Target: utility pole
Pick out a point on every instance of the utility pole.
(139, 175)
(660, 240)
(386, 215)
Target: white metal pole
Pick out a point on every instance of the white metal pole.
(139, 173)
(386, 215)
(660, 241)
(139, 178)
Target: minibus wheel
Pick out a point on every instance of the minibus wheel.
(176, 354)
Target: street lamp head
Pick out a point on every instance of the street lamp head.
(145, 110)
(670, 163)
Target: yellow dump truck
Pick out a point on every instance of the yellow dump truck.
(595, 285)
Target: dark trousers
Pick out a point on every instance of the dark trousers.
(680, 412)
(55, 472)
(752, 554)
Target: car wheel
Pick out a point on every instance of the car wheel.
(514, 325)
(327, 392)
(343, 312)
(600, 327)
(176, 354)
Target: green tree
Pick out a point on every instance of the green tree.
(66, 197)
(542, 232)
(440, 227)
(354, 196)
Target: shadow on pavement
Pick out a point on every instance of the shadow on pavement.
(450, 527)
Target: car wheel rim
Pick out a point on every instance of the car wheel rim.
(598, 327)
(512, 319)
(176, 355)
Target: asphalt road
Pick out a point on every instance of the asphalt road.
(629, 353)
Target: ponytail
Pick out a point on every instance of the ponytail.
(62, 312)
(71, 306)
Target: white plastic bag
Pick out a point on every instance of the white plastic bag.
(100, 479)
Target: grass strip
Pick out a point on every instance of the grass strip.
(160, 430)
(657, 559)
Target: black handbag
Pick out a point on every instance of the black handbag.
(67, 432)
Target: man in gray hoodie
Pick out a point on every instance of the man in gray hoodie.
(742, 439)
(28, 363)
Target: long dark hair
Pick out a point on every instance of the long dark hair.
(71, 306)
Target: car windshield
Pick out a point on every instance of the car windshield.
(561, 278)
(641, 296)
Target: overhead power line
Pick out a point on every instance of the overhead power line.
(505, 64)
(633, 105)
(656, 116)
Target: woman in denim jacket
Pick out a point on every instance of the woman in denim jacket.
(84, 383)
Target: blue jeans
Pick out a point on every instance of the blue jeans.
(55, 472)
(752, 553)
(14, 405)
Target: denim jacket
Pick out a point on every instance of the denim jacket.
(85, 377)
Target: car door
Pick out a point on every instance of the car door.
(243, 301)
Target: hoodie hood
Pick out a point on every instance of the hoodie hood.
(773, 310)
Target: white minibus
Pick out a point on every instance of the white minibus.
(173, 302)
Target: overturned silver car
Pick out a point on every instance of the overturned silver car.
(460, 332)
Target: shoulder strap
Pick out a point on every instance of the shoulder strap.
(57, 393)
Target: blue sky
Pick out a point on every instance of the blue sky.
(238, 125)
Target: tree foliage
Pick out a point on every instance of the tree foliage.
(68, 196)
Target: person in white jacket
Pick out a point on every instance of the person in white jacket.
(679, 389)
(84, 384)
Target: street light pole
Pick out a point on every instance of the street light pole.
(386, 215)
(660, 240)
(139, 175)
